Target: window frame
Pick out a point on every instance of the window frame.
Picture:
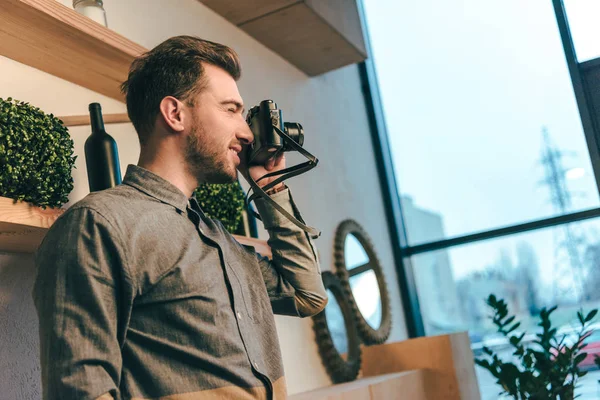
(402, 251)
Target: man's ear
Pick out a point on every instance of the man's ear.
(174, 113)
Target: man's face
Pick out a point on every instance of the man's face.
(218, 129)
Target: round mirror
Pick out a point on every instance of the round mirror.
(336, 324)
(355, 255)
(368, 299)
(362, 277)
(363, 281)
(337, 334)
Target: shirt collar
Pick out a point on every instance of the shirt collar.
(155, 186)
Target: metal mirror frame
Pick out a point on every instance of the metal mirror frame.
(339, 370)
(368, 334)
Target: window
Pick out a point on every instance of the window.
(557, 265)
(529, 271)
(482, 120)
(583, 23)
(497, 191)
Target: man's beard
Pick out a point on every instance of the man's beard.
(206, 164)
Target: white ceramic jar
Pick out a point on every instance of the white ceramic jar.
(93, 9)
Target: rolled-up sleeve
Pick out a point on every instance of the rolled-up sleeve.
(82, 295)
(295, 263)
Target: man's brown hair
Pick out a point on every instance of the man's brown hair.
(173, 68)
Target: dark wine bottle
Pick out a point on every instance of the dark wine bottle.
(101, 154)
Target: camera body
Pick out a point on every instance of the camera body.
(263, 120)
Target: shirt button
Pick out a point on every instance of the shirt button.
(239, 316)
(256, 365)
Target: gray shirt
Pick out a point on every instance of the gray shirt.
(141, 295)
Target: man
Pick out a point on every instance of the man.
(138, 293)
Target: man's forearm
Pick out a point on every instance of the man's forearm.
(294, 254)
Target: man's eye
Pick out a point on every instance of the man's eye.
(231, 110)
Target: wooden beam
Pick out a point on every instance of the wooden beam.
(23, 226)
(238, 12)
(409, 385)
(49, 36)
(79, 120)
(448, 360)
(305, 39)
(316, 36)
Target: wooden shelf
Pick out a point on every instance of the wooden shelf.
(314, 35)
(51, 37)
(79, 120)
(23, 226)
(447, 360)
(399, 385)
(426, 368)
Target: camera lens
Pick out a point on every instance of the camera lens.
(295, 131)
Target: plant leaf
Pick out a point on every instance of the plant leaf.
(580, 357)
(591, 315)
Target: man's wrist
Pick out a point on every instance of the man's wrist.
(269, 214)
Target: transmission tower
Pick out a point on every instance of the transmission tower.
(568, 268)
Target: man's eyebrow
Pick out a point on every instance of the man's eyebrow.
(237, 104)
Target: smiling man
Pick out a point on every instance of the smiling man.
(139, 294)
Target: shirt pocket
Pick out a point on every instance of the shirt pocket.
(253, 291)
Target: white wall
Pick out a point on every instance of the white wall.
(344, 185)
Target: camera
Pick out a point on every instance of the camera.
(271, 135)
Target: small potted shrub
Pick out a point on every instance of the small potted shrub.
(547, 367)
(226, 203)
(36, 155)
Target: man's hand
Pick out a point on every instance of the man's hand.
(258, 171)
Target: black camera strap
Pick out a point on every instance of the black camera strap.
(258, 192)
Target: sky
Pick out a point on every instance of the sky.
(467, 87)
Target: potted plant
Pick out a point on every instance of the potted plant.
(226, 203)
(547, 367)
(36, 154)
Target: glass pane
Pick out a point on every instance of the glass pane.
(482, 120)
(368, 299)
(585, 30)
(355, 254)
(336, 325)
(554, 266)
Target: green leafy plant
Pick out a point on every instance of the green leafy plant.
(548, 368)
(36, 155)
(224, 202)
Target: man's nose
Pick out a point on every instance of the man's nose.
(245, 135)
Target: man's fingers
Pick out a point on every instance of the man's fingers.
(280, 159)
(270, 164)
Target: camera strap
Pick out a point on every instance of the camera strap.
(258, 192)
